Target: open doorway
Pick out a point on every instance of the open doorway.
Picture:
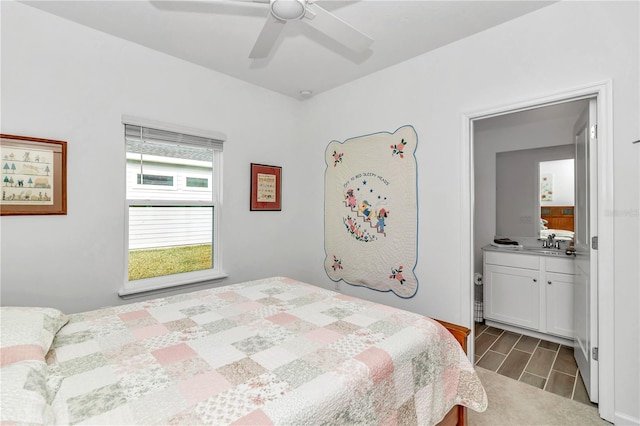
(482, 208)
(519, 182)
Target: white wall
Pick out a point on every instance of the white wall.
(64, 81)
(560, 47)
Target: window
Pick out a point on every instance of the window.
(159, 180)
(173, 184)
(193, 182)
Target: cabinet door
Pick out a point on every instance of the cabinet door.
(512, 295)
(560, 304)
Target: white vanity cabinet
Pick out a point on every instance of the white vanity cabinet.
(531, 291)
(512, 289)
(559, 282)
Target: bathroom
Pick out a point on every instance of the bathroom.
(524, 171)
(544, 285)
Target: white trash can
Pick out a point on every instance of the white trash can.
(478, 305)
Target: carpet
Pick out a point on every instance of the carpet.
(516, 403)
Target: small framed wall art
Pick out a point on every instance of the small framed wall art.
(266, 187)
(33, 176)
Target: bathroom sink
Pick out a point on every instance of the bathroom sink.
(545, 251)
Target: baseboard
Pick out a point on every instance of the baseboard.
(623, 419)
(531, 333)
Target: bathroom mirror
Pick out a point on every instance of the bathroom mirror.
(557, 192)
(522, 196)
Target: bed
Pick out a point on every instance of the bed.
(558, 217)
(560, 234)
(270, 351)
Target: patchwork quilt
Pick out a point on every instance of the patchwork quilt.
(271, 351)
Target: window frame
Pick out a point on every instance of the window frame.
(186, 278)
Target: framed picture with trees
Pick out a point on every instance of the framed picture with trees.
(33, 176)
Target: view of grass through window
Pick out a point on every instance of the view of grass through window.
(158, 262)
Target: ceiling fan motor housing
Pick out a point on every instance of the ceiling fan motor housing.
(288, 10)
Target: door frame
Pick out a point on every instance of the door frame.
(602, 92)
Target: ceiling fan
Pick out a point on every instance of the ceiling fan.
(283, 11)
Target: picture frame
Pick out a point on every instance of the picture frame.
(33, 176)
(266, 187)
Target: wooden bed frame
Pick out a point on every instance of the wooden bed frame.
(558, 217)
(458, 414)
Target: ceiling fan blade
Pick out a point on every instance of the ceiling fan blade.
(267, 38)
(249, 1)
(230, 7)
(334, 27)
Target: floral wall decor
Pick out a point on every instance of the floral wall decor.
(546, 187)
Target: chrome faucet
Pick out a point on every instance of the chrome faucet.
(550, 242)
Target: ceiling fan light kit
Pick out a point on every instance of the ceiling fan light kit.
(282, 12)
(288, 10)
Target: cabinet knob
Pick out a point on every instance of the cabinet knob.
(549, 282)
(535, 280)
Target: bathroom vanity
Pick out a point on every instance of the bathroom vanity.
(529, 291)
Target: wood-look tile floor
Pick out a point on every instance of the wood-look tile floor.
(545, 365)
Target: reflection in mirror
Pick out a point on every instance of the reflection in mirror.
(557, 185)
(518, 190)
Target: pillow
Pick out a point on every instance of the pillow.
(24, 394)
(26, 334)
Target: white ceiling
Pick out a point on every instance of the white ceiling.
(220, 34)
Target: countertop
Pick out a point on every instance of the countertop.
(531, 250)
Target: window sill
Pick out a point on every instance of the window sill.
(169, 283)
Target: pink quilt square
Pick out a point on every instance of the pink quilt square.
(17, 353)
(322, 335)
(379, 363)
(451, 379)
(227, 295)
(203, 386)
(128, 316)
(385, 308)
(174, 353)
(282, 318)
(150, 331)
(392, 420)
(344, 297)
(257, 417)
